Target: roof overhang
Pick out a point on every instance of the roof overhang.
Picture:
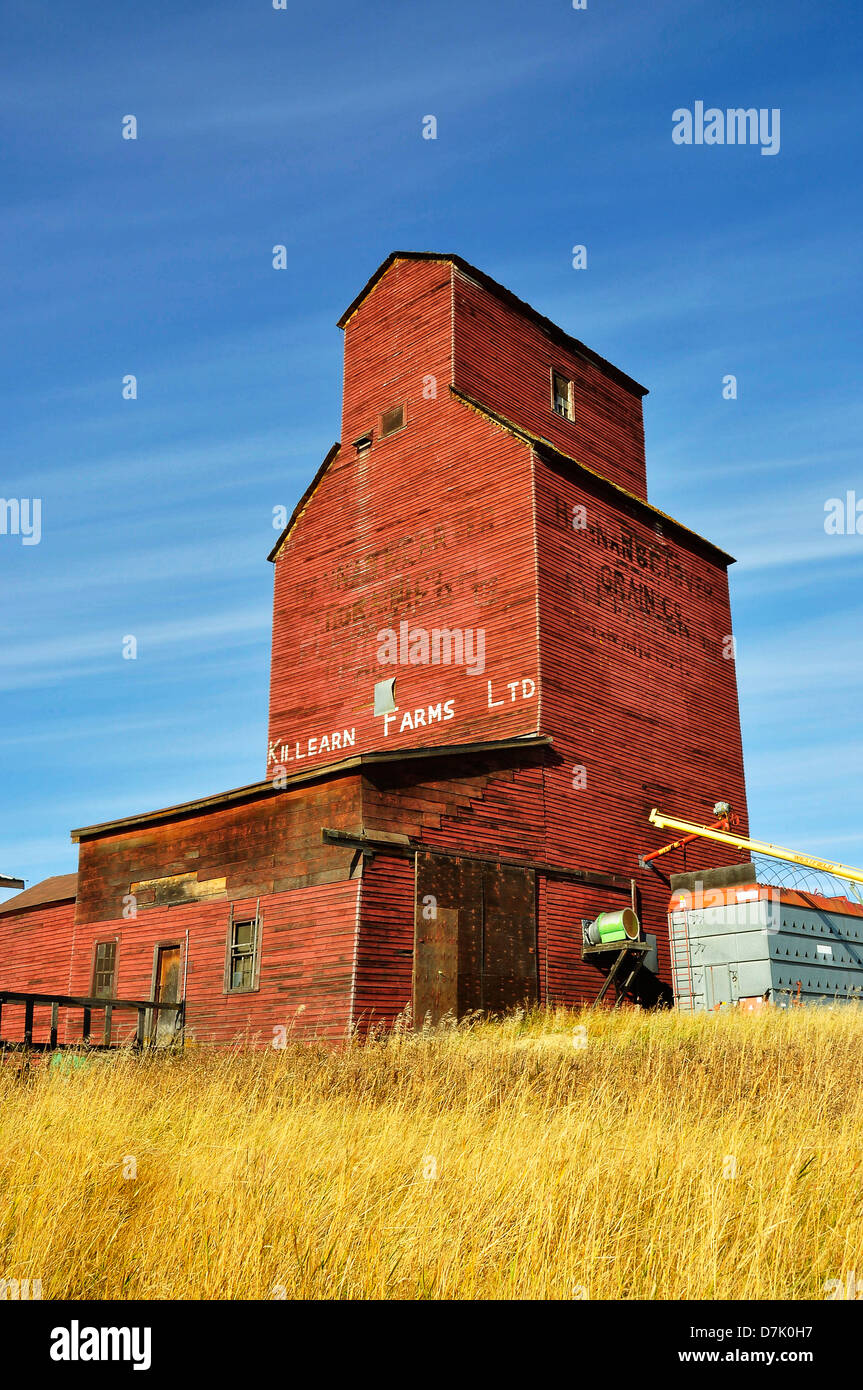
(60, 888)
(259, 791)
(544, 447)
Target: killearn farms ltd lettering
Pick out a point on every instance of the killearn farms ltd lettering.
(337, 741)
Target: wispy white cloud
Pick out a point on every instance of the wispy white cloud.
(49, 661)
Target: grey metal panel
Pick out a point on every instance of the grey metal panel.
(651, 960)
(754, 978)
(740, 950)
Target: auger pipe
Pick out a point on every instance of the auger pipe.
(757, 846)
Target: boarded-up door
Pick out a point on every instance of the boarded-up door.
(509, 937)
(167, 991)
(475, 936)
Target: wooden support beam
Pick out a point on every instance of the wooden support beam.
(609, 979)
(374, 844)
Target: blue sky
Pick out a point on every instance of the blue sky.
(303, 127)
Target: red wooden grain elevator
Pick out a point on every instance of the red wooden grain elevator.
(491, 657)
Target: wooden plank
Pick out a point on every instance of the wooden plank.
(610, 977)
(510, 976)
(379, 845)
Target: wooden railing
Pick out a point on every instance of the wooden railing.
(88, 1006)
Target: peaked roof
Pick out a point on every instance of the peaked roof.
(551, 329)
(51, 890)
(273, 555)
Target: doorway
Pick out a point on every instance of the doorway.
(474, 936)
(166, 990)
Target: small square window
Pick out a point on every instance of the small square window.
(561, 395)
(392, 420)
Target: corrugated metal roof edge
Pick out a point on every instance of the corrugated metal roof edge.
(548, 326)
(738, 894)
(257, 790)
(537, 442)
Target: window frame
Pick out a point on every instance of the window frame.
(570, 395)
(94, 967)
(257, 923)
(387, 434)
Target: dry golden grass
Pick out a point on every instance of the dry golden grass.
(562, 1171)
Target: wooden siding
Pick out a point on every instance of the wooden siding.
(36, 949)
(398, 338)
(636, 690)
(433, 528)
(504, 361)
(308, 940)
(489, 804)
(386, 944)
(260, 847)
(307, 952)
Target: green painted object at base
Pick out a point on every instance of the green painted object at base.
(68, 1061)
(612, 925)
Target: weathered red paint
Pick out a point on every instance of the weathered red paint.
(606, 628)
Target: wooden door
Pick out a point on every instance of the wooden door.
(509, 970)
(475, 936)
(167, 991)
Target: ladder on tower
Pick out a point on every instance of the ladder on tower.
(681, 959)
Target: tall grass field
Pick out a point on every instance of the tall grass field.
(551, 1155)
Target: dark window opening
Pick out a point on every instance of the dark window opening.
(243, 955)
(561, 395)
(392, 420)
(104, 968)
